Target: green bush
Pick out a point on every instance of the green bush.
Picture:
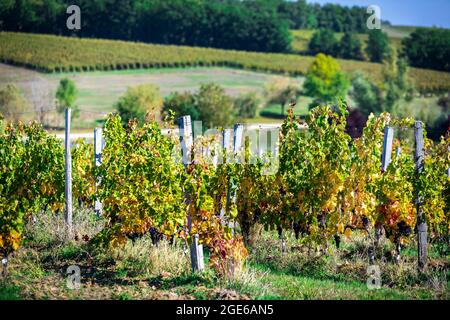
(181, 104)
(247, 105)
(214, 106)
(138, 101)
(12, 103)
(209, 104)
(388, 96)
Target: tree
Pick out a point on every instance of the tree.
(349, 47)
(12, 103)
(41, 98)
(214, 106)
(282, 91)
(366, 95)
(67, 95)
(139, 101)
(250, 26)
(396, 84)
(323, 41)
(444, 102)
(428, 48)
(325, 81)
(389, 93)
(377, 45)
(247, 105)
(299, 13)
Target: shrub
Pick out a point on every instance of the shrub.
(138, 101)
(281, 91)
(247, 105)
(12, 103)
(214, 106)
(181, 104)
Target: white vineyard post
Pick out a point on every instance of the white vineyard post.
(187, 142)
(98, 149)
(237, 146)
(238, 136)
(262, 142)
(226, 146)
(385, 161)
(68, 175)
(422, 229)
(387, 147)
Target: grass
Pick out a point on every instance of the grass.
(144, 271)
(9, 292)
(274, 110)
(98, 91)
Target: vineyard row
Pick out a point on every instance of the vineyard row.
(49, 53)
(325, 185)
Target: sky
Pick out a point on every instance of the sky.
(406, 12)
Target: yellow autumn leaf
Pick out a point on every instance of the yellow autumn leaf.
(348, 232)
(15, 244)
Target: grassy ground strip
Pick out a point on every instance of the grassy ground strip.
(143, 271)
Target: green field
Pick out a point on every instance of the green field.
(99, 90)
(62, 54)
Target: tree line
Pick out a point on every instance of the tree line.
(253, 25)
(221, 24)
(249, 25)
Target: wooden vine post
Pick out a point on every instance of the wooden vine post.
(187, 142)
(98, 149)
(68, 175)
(422, 229)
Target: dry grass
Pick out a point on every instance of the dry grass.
(350, 263)
(141, 270)
(142, 257)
